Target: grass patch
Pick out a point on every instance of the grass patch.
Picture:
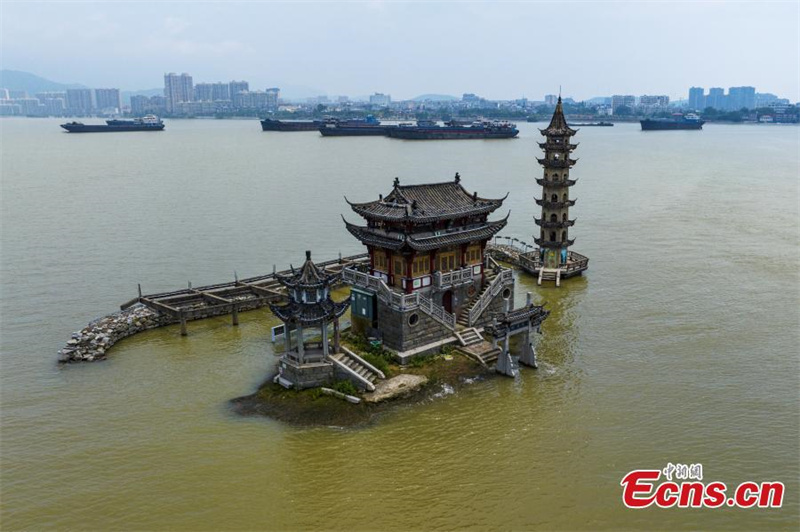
(345, 387)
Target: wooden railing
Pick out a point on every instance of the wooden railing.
(397, 300)
(503, 278)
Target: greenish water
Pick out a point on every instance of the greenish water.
(679, 345)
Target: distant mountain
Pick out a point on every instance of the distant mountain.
(16, 80)
(435, 98)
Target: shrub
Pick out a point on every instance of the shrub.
(346, 387)
(377, 361)
(418, 361)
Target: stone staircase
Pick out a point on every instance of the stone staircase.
(463, 318)
(482, 351)
(469, 336)
(549, 274)
(363, 373)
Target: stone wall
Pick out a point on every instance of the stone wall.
(400, 334)
(307, 375)
(93, 341)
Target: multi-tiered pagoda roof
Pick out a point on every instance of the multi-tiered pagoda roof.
(427, 203)
(309, 295)
(426, 217)
(558, 125)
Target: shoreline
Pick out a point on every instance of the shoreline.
(445, 374)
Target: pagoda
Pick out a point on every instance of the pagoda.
(428, 275)
(554, 260)
(307, 364)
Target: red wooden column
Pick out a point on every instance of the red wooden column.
(409, 273)
(371, 252)
(463, 255)
(390, 272)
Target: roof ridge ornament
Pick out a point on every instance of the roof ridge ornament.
(458, 178)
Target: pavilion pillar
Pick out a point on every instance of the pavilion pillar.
(336, 335)
(287, 337)
(390, 268)
(324, 338)
(300, 346)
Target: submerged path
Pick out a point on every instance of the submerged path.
(180, 306)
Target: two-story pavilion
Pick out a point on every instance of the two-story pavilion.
(426, 243)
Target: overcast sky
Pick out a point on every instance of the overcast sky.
(498, 50)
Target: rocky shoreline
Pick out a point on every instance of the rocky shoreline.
(93, 341)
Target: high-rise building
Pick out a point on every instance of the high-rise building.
(653, 103)
(79, 101)
(716, 98)
(203, 92)
(235, 87)
(550, 99)
(697, 98)
(742, 98)
(618, 101)
(273, 93)
(3, 94)
(107, 99)
(381, 100)
(177, 88)
(220, 91)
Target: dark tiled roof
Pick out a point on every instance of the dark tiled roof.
(502, 321)
(395, 241)
(558, 124)
(310, 313)
(426, 203)
(309, 276)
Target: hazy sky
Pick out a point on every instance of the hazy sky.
(498, 50)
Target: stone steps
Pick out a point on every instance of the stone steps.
(356, 367)
(469, 336)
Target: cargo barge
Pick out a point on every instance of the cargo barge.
(147, 123)
(690, 121)
(268, 124)
(426, 130)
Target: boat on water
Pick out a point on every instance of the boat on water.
(356, 127)
(269, 124)
(594, 124)
(689, 121)
(427, 130)
(146, 123)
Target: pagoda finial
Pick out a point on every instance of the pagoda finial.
(308, 254)
(458, 177)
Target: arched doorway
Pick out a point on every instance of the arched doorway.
(447, 301)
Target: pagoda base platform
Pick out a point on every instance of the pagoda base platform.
(306, 375)
(531, 262)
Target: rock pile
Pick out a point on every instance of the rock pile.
(93, 341)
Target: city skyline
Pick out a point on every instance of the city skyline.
(500, 51)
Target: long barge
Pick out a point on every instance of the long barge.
(147, 123)
(690, 121)
(269, 124)
(425, 130)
